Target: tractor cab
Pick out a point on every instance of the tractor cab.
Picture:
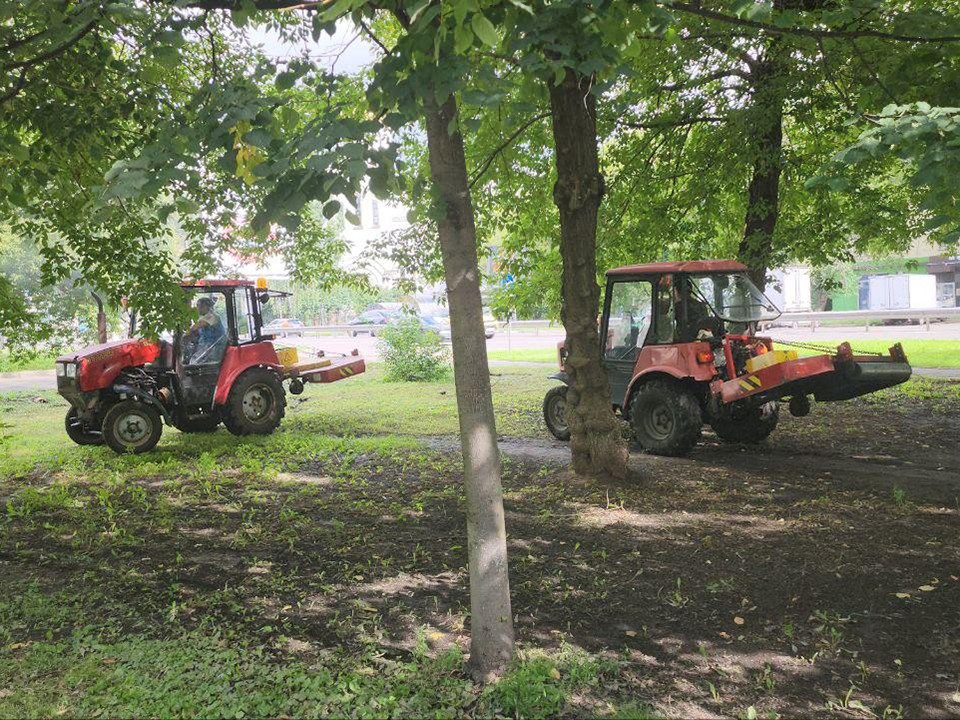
(674, 316)
(679, 345)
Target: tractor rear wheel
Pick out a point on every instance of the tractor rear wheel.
(554, 412)
(256, 403)
(132, 426)
(751, 427)
(80, 433)
(666, 418)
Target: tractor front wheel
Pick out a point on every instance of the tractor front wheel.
(554, 412)
(751, 427)
(80, 433)
(132, 426)
(666, 418)
(256, 403)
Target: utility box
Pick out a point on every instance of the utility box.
(899, 292)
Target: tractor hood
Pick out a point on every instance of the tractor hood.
(99, 365)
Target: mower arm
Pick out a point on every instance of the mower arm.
(326, 370)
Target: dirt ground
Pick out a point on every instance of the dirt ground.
(818, 573)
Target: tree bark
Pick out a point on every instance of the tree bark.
(763, 194)
(491, 619)
(596, 443)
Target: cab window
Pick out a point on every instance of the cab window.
(629, 319)
(204, 343)
(244, 315)
(666, 324)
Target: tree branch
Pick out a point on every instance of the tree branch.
(694, 8)
(681, 122)
(53, 52)
(485, 165)
(369, 33)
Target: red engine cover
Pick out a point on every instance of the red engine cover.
(99, 365)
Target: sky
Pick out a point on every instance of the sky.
(345, 52)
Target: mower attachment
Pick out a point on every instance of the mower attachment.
(839, 377)
(326, 370)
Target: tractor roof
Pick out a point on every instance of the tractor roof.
(688, 266)
(217, 283)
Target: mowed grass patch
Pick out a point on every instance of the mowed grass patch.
(32, 432)
(920, 353)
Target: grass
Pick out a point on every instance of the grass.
(920, 353)
(112, 619)
(16, 363)
(31, 423)
(220, 577)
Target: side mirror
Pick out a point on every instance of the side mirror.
(264, 298)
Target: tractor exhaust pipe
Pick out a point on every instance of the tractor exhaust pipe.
(101, 319)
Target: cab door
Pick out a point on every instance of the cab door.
(202, 347)
(627, 323)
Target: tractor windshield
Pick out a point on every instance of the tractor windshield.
(733, 297)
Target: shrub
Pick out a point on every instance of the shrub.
(412, 354)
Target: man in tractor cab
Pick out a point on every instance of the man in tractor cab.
(208, 332)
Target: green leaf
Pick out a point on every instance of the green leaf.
(484, 30)
(462, 39)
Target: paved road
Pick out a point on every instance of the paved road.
(28, 380)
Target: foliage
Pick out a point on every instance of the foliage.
(32, 312)
(925, 141)
(412, 354)
(131, 199)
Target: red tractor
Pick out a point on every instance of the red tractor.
(222, 369)
(680, 350)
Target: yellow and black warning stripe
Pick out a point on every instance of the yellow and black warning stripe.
(346, 371)
(751, 383)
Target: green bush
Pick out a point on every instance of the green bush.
(412, 354)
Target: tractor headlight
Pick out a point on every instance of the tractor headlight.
(61, 369)
(71, 370)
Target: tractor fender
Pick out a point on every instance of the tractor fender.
(145, 397)
(239, 359)
(561, 376)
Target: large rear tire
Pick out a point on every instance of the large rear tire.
(132, 426)
(753, 426)
(78, 432)
(666, 418)
(256, 403)
(554, 412)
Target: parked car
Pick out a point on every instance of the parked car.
(429, 323)
(369, 322)
(442, 315)
(284, 327)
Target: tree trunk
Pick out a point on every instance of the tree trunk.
(491, 619)
(596, 443)
(763, 195)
